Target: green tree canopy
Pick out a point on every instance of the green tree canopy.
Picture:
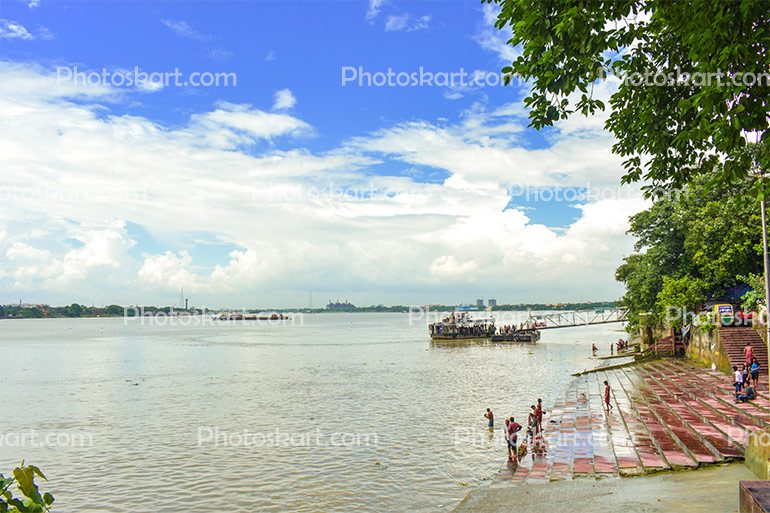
(690, 246)
(667, 133)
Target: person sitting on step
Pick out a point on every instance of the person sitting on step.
(749, 395)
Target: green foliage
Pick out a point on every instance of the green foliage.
(678, 297)
(28, 498)
(689, 247)
(757, 292)
(705, 322)
(114, 310)
(667, 133)
(74, 310)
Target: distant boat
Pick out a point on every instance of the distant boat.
(250, 317)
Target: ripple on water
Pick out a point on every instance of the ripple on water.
(143, 393)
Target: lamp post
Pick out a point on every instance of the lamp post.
(763, 208)
(767, 278)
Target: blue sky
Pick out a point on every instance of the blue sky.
(406, 194)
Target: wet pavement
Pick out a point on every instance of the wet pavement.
(667, 414)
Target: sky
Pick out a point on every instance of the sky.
(295, 146)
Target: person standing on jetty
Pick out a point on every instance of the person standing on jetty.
(491, 418)
(607, 404)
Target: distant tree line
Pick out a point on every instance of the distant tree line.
(15, 311)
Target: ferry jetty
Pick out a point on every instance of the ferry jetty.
(460, 325)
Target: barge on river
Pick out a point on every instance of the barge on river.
(460, 326)
(525, 335)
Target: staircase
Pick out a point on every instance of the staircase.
(666, 414)
(734, 340)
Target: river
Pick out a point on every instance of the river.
(323, 413)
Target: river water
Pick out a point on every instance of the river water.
(324, 413)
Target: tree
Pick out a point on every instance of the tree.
(74, 310)
(690, 247)
(114, 310)
(667, 133)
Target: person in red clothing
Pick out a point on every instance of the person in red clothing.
(607, 404)
(540, 413)
(513, 430)
(748, 353)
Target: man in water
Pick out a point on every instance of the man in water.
(490, 417)
(607, 404)
(540, 413)
(594, 349)
(532, 429)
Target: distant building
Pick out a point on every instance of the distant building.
(492, 303)
(340, 306)
(479, 303)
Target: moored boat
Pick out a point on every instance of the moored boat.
(526, 335)
(251, 317)
(461, 326)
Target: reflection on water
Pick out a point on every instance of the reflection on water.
(345, 412)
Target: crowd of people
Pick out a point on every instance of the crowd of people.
(532, 432)
(746, 379)
(512, 328)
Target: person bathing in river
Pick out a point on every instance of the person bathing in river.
(491, 418)
(540, 413)
(512, 432)
(532, 423)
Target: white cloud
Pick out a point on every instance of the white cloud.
(270, 56)
(231, 125)
(100, 251)
(284, 99)
(374, 9)
(183, 29)
(14, 30)
(404, 22)
(292, 218)
(170, 270)
(494, 40)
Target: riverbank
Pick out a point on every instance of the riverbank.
(709, 490)
(667, 415)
